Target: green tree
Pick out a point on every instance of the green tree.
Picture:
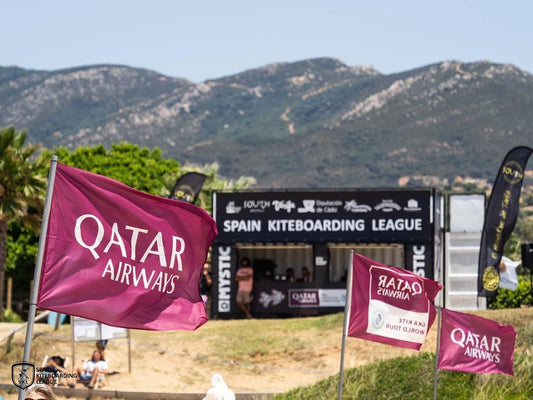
(146, 170)
(141, 168)
(21, 189)
(138, 167)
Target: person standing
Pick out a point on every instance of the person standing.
(205, 286)
(245, 279)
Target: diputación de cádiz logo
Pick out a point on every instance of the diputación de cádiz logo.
(23, 374)
(491, 279)
(512, 172)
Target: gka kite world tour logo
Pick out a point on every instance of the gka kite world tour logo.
(23, 374)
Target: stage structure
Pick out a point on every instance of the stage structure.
(281, 230)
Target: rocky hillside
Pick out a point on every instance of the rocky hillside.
(314, 123)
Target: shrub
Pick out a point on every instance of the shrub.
(506, 298)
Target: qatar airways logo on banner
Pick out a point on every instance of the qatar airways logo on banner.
(138, 246)
(477, 345)
(400, 290)
(471, 343)
(394, 287)
(303, 298)
(397, 306)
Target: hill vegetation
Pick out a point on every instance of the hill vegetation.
(309, 124)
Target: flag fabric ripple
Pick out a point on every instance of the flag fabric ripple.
(121, 256)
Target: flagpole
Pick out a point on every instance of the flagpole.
(347, 309)
(37, 273)
(437, 352)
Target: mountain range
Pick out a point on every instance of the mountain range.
(315, 123)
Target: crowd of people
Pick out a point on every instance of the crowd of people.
(305, 275)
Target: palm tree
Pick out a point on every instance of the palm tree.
(21, 189)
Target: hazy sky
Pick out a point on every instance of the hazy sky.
(200, 40)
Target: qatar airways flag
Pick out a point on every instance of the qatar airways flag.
(390, 305)
(474, 344)
(123, 257)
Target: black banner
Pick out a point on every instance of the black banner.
(500, 218)
(375, 216)
(188, 187)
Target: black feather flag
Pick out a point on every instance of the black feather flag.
(188, 187)
(500, 218)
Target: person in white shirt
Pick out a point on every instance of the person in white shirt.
(91, 368)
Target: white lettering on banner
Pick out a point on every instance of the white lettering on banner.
(402, 224)
(240, 225)
(156, 247)
(224, 279)
(310, 225)
(122, 273)
(397, 288)
(419, 260)
(387, 316)
(477, 345)
(305, 297)
(128, 273)
(286, 205)
(256, 204)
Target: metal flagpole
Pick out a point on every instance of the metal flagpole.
(347, 309)
(37, 273)
(437, 353)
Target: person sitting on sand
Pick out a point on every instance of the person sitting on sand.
(96, 365)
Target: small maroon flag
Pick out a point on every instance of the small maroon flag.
(390, 305)
(123, 257)
(474, 344)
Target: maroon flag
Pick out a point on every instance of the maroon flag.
(123, 257)
(390, 305)
(474, 344)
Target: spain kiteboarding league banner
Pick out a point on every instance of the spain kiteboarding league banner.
(390, 305)
(470, 343)
(123, 257)
(188, 187)
(500, 218)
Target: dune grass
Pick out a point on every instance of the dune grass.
(413, 378)
(294, 347)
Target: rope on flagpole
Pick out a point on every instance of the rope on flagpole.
(347, 309)
(37, 273)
